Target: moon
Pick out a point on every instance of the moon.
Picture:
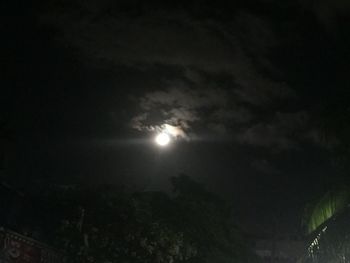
(162, 139)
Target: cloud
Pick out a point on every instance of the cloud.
(163, 37)
(179, 106)
(154, 38)
(175, 131)
(265, 135)
(282, 132)
(223, 77)
(265, 167)
(184, 97)
(219, 111)
(328, 11)
(236, 115)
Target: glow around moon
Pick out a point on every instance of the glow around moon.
(162, 139)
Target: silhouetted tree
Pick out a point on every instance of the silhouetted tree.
(108, 225)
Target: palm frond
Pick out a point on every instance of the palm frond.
(329, 205)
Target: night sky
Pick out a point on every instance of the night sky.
(86, 85)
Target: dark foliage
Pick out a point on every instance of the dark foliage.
(110, 225)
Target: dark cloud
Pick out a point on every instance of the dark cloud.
(154, 38)
(329, 11)
(164, 37)
(220, 111)
(236, 115)
(283, 131)
(179, 105)
(195, 99)
(265, 167)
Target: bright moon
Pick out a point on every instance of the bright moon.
(162, 139)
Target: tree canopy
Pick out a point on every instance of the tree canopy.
(110, 225)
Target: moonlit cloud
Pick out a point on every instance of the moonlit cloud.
(221, 79)
(179, 108)
(175, 131)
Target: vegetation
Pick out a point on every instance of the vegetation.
(331, 204)
(327, 220)
(330, 241)
(325, 225)
(107, 225)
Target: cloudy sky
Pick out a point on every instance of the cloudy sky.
(91, 82)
